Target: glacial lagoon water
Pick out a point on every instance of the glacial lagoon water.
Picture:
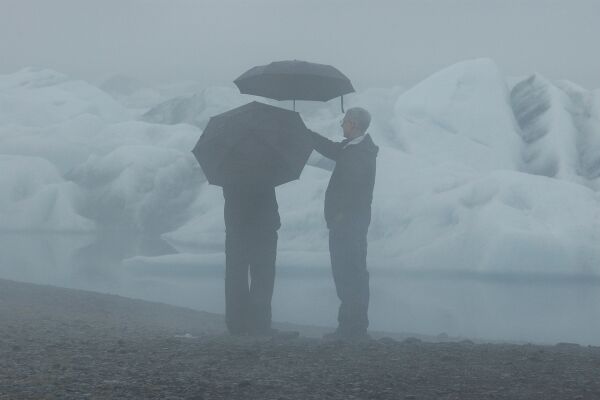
(512, 307)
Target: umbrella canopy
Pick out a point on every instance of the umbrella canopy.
(255, 143)
(294, 80)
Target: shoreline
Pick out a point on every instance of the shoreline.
(60, 343)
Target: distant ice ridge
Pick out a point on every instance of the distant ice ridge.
(473, 175)
(195, 109)
(41, 97)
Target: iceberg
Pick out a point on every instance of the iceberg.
(476, 171)
(35, 198)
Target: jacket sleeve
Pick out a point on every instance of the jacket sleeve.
(326, 147)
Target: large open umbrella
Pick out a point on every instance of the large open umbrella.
(295, 80)
(255, 143)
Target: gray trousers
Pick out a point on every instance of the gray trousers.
(248, 303)
(348, 251)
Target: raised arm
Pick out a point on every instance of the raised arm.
(326, 147)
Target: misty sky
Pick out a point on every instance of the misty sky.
(376, 42)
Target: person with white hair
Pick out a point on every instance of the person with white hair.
(348, 214)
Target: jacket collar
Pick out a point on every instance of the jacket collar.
(356, 140)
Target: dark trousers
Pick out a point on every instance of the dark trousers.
(248, 304)
(348, 251)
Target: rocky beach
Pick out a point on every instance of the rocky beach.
(60, 343)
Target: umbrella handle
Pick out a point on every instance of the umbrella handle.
(342, 102)
(294, 104)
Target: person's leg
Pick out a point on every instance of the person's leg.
(348, 251)
(262, 280)
(237, 294)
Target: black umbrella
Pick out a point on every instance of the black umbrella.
(295, 80)
(255, 143)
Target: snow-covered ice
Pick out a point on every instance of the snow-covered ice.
(477, 171)
(34, 197)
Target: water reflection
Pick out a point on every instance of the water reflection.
(100, 261)
(539, 308)
(40, 258)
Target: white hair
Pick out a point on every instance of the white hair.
(360, 116)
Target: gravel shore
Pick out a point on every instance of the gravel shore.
(68, 344)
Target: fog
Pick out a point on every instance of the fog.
(485, 224)
(376, 43)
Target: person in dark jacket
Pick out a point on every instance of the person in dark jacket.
(251, 224)
(348, 215)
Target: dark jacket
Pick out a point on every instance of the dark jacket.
(350, 190)
(251, 207)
